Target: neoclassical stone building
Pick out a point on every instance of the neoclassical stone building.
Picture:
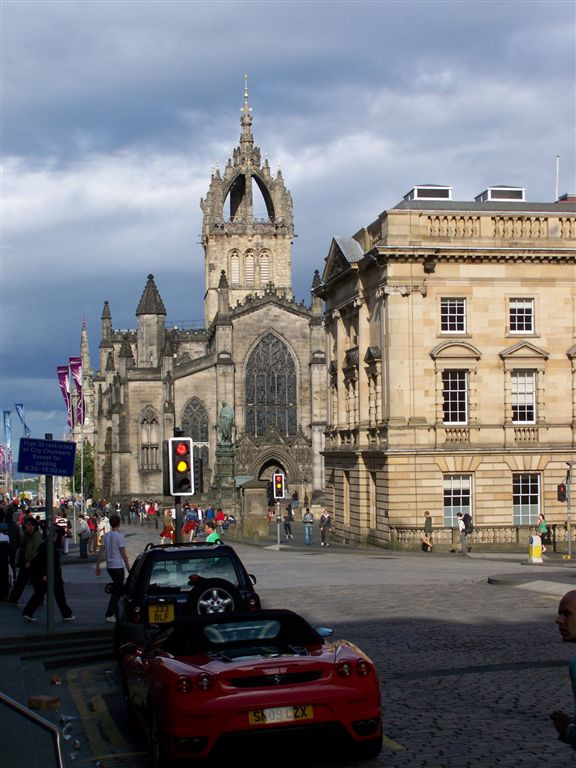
(260, 352)
(451, 359)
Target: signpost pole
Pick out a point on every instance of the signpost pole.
(49, 547)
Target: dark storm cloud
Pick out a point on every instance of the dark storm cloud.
(114, 113)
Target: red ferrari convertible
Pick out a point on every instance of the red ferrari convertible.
(210, 685)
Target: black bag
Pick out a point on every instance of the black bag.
(468, 524)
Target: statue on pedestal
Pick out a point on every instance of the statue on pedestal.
(225, 424)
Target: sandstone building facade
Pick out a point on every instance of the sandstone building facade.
(451, 353)
(260, 352)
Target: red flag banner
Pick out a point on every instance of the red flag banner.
(64, 381)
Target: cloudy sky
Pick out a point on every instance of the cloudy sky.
(114, 113)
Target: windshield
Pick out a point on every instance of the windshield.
(175, 573)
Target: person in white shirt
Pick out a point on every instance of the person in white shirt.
(113, 550)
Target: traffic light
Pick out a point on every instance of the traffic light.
(278, 483)
(562, 492)
(180, 468)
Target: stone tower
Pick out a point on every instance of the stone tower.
(248, 226)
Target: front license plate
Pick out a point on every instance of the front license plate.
(160, 613)
(280, 715)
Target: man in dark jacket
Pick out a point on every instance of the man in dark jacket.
(30, 544)
(39, 578)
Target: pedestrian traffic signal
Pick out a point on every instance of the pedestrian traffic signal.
(278, 483)
(562, 492)
(180, 468)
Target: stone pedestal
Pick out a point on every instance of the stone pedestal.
(224, 485)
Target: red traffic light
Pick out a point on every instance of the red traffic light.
(180, 470)
(278, 482)
(562, 496)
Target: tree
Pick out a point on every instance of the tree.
(88, 470)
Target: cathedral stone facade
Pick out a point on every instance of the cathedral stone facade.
(260, 353)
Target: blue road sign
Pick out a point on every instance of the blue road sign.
(46, 457)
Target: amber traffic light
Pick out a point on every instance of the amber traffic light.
(180, 468)
(278, 483)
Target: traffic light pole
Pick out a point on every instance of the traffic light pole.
(278, 524)
(178, 520)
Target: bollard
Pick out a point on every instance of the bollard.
(535, 550)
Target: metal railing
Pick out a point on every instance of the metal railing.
(38, 720)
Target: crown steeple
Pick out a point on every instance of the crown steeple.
(248, 226)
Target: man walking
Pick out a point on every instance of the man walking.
(566, 621)
(113, 550)
(308, 520)
(30, 544)
(325, 525)
(463, 534)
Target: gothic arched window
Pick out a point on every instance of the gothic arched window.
(249, 269)
(149, 440)
(271, 391)
(195, 425)
(195, 421)
(234, 268)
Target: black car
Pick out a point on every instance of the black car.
(168, 581)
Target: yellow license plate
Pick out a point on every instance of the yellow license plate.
(161, 613)
(280, 715)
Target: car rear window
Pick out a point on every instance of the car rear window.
(175, 573)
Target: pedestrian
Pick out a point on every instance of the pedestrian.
(113, 550)
(103, 527)
(212, 535)
(325, 525)
(4, 561)
(462, 531)
(93, 525)
(167, 532)
(15, 536)
(30, 542)
(288, 522)
(427, 537)
(308, 520)
(84, 536)
(542, 530)
(566, 620)
(39, 580)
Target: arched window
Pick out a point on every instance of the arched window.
(249, 266)
(264, 269)
(195, 425)
(234, 268)
(271, 392)
(149, 440)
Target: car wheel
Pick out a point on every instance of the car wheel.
(213, 596)
(367, 750)
(159, 759)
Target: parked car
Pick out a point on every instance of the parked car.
(262, 682)
(167, 581)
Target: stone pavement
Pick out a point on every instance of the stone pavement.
(469, 669)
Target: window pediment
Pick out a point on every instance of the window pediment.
(449, 350)
(524, 350)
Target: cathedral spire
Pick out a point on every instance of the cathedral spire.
(246, 138)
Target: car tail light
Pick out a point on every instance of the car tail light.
(344, 668)
(185, 684)
(362, 668)
(204, 681)
(253, 603)
(136, 614)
